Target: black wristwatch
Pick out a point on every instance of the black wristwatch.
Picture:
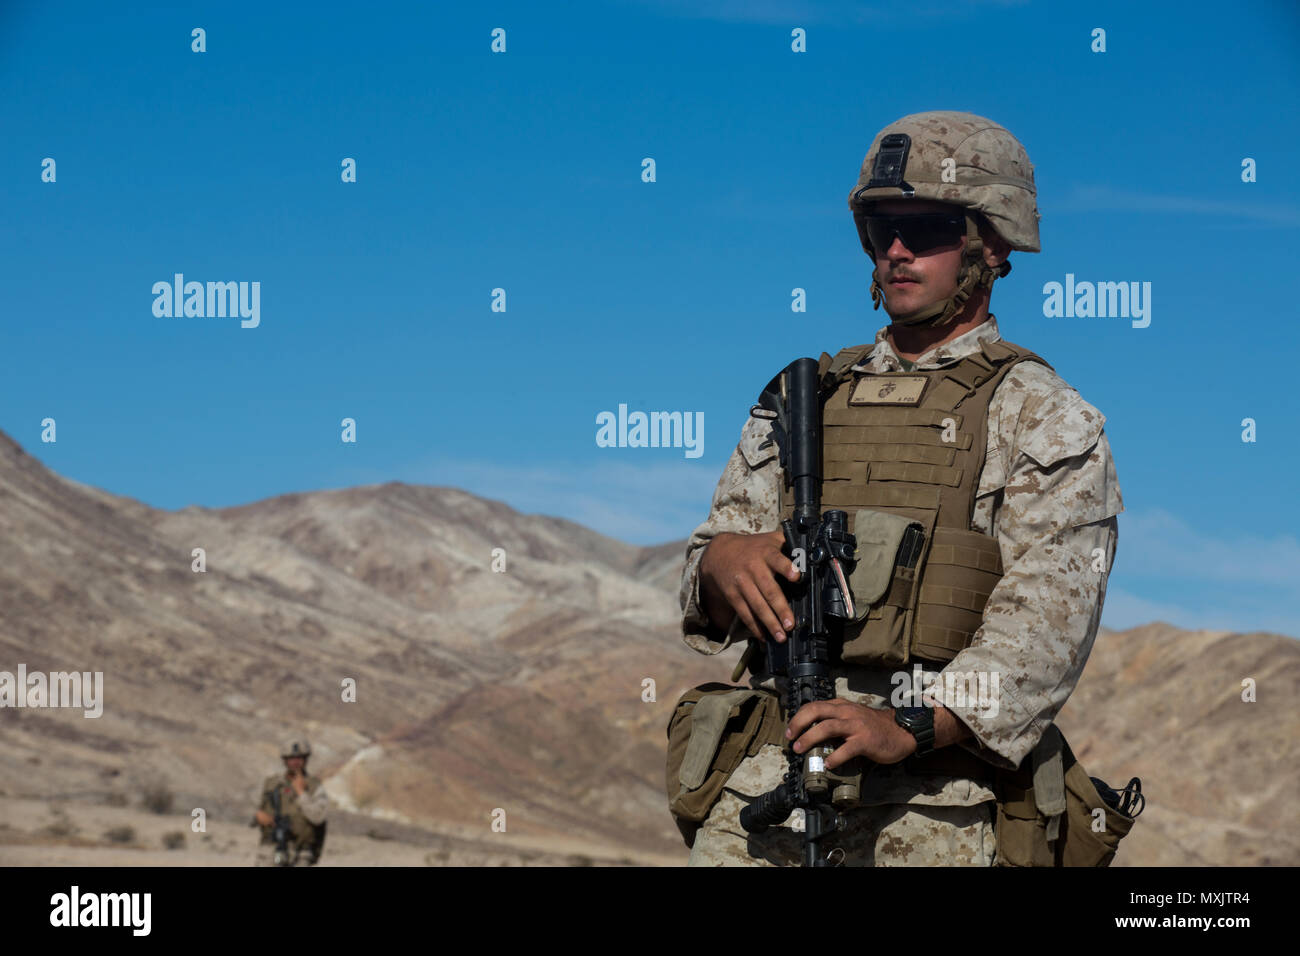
(919, 722)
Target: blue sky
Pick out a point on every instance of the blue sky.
(522, 170)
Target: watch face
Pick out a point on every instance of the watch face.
(911, 714)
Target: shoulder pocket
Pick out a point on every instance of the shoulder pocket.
(756, 434)
(1069, 431)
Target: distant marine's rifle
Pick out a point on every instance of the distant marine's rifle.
(280, 830)
(824, 551)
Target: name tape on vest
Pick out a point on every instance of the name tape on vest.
(888, 390)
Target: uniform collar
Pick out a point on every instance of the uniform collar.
(883, 358)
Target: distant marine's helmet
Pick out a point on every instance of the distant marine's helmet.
(961, 159)
(295, 747)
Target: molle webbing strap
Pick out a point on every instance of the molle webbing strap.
(1049, 779)
(915, 472)
(884, 496)
(915, 417)
(959, 599)
(861, 471)
(895, 435)
(929, 455)
(949, 547)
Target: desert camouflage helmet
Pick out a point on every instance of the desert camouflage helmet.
(956, 158)
(296, 747)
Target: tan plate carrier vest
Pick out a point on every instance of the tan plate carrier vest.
(912, 444)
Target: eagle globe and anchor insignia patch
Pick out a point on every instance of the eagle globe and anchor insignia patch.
(888, 389)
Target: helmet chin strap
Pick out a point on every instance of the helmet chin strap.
(975, 274)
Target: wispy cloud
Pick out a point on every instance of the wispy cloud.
(1124, 610)
(1158, 545)
(1169, 570)
(1088, 198)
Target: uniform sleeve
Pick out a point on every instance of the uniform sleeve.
(263, 797)
(1057, 530)
(314, 804)
(262, 801)
(744, 502)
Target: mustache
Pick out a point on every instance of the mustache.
(900, 274)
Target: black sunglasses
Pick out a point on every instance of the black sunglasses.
(919, 233)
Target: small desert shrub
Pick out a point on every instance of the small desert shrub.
(157, 798)
(120, 835)
(61, 827)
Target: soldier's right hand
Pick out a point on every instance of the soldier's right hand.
(263, 818)
(740, 577)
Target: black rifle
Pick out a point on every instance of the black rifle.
(280, 830)
(824, 551)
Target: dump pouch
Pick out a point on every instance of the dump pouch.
(712, 729)
(1047, 812)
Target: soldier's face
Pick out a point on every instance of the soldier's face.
(912, 281)
(295, 763)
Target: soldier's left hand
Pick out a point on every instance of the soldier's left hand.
(300, 783)
(865, 731)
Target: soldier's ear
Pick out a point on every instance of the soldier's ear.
(996, 249)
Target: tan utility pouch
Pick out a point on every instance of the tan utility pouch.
(712, 729)
(884, 594)
(1047, 812)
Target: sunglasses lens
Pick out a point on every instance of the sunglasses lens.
(918, 233)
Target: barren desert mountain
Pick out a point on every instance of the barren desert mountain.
(506, 667)
(521, 690)
(1220, 772)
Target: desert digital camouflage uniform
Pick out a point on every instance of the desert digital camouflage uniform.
(1049, 495)
(305, 813)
